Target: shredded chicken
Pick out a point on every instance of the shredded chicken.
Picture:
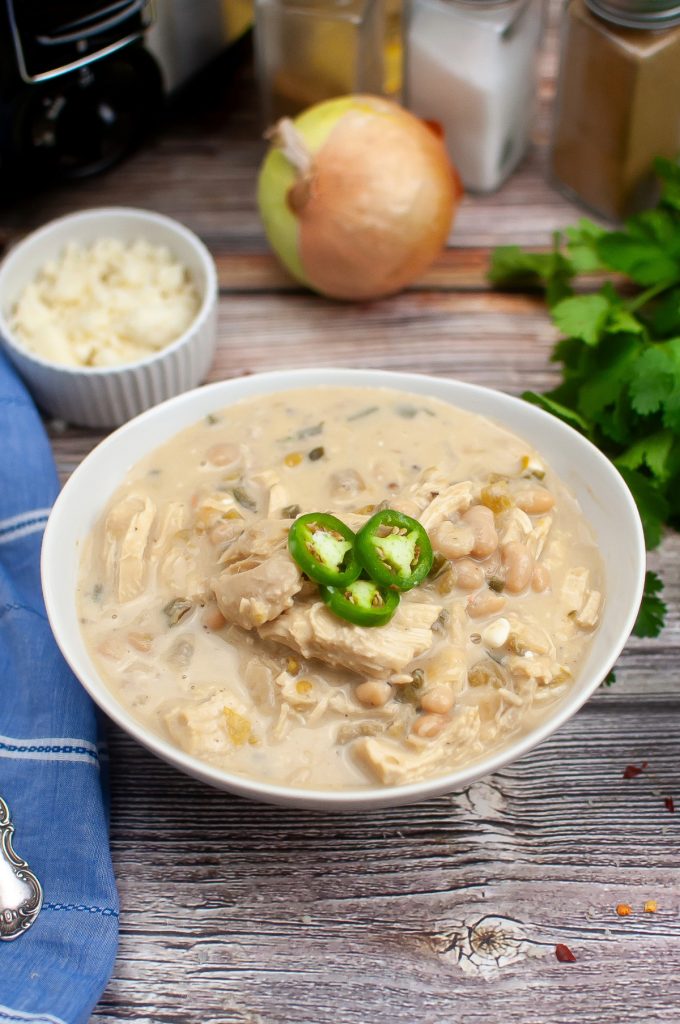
(574, 588)
(394, 765)
(127, 530)
(515, 525)
(450, 502)
(539, 535)
(589, 614)
(257, 541)
(249, 594)
(209, 726)
(312, 631)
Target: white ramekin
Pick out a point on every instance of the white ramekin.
(109, 396)
(606, 502)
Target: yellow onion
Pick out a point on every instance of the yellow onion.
(357, 196)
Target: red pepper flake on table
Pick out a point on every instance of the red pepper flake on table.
(669, 804)
(631, 771)
(564, 954)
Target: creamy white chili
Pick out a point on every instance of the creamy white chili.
(204, 627)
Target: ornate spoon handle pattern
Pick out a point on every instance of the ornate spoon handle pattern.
(21, 894)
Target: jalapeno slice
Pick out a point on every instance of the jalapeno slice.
(323, 547)
(363, 602)
(394, 549)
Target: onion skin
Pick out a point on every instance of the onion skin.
(373, 206)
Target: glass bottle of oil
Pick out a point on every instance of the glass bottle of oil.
(312, 50)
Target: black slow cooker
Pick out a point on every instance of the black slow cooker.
(77, 88)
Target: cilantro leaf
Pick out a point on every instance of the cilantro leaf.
(656, 384)
(622, 322)
(583, 316)
(645, 249)
(657, 452)
(511, 267)
(669, 172)
(609, 678)
(603, 395)
(619, 354)
(652, 505)
(582, 246)
(569, 416)
(665, 318)
(652, 612)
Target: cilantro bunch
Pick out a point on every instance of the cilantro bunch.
(620, 352)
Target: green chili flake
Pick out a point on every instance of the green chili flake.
(362, 412)
(439, 565)
(496, 584)
(212, 420)
(317, 453)
(176, 610)
(407, 694)
(244, 499)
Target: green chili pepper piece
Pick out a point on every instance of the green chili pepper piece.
(394, 549)
(363, 602)
(323, 547)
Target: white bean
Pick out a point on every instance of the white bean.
(225, 455)
(540, 578)
(467, 574)
(485, 602)
(438, 700)
(213, 618)
(534, 501)
(518, 563)
(373, 693)
(428, 726)
(453, 541)
(481, 520)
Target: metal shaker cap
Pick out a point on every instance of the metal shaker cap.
(645, 14)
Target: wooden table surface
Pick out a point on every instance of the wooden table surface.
(239, 912)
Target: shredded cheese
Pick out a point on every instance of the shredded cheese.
(105, 305)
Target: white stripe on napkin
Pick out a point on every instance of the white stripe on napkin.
(58, 749)
(14, 521)
(46, 756)
(51, 741)
(16, 527)
(25, 531)
(7, 1013)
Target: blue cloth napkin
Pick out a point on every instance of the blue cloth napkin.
(51, 773)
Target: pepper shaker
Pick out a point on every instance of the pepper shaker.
(471, 66)
(618, 101)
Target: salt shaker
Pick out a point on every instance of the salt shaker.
(618, 101)
(471, 66)
(311, 50)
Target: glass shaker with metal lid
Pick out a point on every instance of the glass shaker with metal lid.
(618, 101)
(471, 66)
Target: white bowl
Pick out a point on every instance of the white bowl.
(605, 500)
(109, 396)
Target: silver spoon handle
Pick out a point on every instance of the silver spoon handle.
(21, 894)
